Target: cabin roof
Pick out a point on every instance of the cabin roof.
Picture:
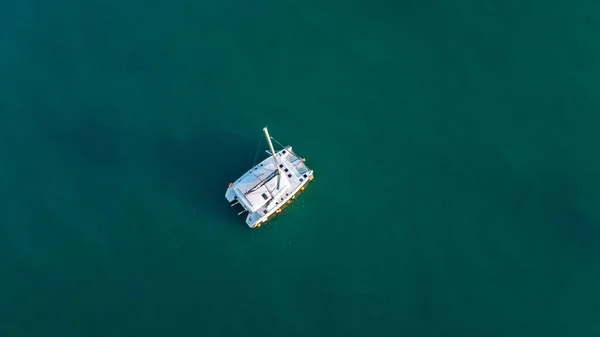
(257, 199)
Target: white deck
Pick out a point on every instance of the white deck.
(265, 200)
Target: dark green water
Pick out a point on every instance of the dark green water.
(455, 148)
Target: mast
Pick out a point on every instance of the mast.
(274, 157)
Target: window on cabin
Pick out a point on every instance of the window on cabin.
(265, 196)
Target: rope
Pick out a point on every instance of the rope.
(282, 146)
(278, 143)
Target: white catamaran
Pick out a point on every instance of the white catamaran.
(273, 183)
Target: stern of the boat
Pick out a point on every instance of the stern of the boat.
(230, 194)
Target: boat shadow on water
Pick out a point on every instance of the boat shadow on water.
(202, 167)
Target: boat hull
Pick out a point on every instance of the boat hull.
(270, 186)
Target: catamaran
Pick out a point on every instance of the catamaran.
(270, 185)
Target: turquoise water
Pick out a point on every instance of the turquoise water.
(454, 148)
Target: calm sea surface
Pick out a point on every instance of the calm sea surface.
(454, 143)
